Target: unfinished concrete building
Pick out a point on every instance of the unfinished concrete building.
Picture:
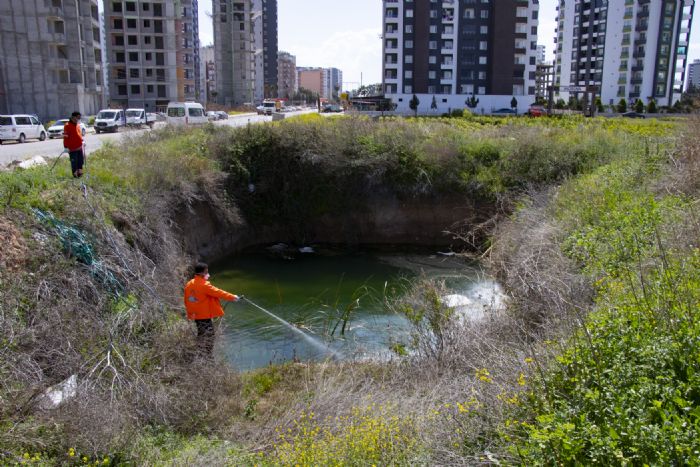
(51, 60)
(153, 51)
(245, 48)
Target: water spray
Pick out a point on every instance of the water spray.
(318, 345)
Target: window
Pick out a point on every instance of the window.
(133, 56)
(483, 29)
(146, 23)
(469, 13)
(175, 111)
(484, 14)
(133, 40)
(121, 89)
(146, 6)
(130, 6)
(408, 59)
(118, 24)
(408, 74)
(408, 44)
(482, 60)
(133, 72)
(131, 23)
(195, 112)
(408, 29)
(117, 7)
(483, 45)
(409, 13)
(23, 121)
(431, 74)
(408, 89)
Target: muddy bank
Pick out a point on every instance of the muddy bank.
(380, 220)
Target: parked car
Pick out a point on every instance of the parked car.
(332, 108)
(633, 115)
(186, 113)
(109, 120)
(56, 130)
(504, 111)
(138, 117)
(222, 115)
(21, 128)
(211, 116)
(536, 111)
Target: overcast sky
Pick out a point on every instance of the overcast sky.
(346, 35)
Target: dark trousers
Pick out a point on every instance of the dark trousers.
(76, 160)
(205, 335)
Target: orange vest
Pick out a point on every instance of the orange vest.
(72, 137)
(202, 299)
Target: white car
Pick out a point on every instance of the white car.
(21, 128)
(56, 130)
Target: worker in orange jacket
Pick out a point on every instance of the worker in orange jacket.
(73, 142)
(203, 305)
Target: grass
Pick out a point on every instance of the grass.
(593, 362)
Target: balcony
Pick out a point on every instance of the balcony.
(639, 54)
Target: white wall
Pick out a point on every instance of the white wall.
(487, 103)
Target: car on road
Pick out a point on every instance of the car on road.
(332, 108)
(222, 115)
(138, 117)
(633, 115)
(186, 113)
(212, 116)
(56, 130)
(21, 128)
(504, 111)
(109, 120)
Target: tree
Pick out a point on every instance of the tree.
(413, 104)
(639, 106)
(560, 104)
(433, 104)
(514, 103)
(599, 105)
(472, 102)
(651, 107)
(622, 106)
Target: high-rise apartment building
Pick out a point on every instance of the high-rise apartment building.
(455, 48)
(245, 37)
(312, 79)
(631, 49)
(270, 47)
(541, 55)
(50, 57)
(694, 75)
(334, 83)
(207, 73)
(153, 50)
(286, 74)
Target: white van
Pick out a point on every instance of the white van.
(21, 128)
(109, 120)
(186, 113)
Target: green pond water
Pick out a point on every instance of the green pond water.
(311, 292)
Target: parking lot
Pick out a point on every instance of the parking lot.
(12, 151)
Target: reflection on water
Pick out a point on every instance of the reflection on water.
(312, 292)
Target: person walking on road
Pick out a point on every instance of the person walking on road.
(203, 305)
(73, 142)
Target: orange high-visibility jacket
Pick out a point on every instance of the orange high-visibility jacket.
(72, 137)
(202, 299)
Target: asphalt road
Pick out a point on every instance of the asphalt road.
(12, 151)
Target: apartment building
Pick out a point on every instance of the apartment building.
(51, 60)
(334, 83)
(631, 49)
(313, 79)
(207, 73)
(245, 39)
(694, 75)
(454, 49)
(270, 48)
(286, 74)
(153, 50)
